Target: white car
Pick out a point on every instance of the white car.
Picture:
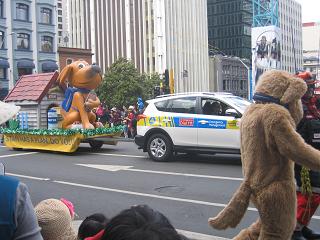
(190, 122)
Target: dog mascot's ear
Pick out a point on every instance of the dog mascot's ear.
(64, 75)
(296, 89)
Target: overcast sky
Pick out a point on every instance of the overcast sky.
(310, 10)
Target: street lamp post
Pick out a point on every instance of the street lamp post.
(249, 78)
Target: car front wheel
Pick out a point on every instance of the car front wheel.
(159, 148)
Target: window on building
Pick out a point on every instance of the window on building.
(1, 39)
(46, 44)
(59, 12)
(59, 5)
(46, 15)
(23, 40)
(59, 26)
(1, 9)
(59, 19)
(69, 61)
(22, 11)
(24, 71)
(3, 73)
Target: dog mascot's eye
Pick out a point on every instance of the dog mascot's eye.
(81, 65)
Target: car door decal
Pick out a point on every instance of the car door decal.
(189, 122)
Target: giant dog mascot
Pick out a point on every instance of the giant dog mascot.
(78, 79)
(269, 147)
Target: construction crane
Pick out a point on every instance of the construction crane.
(265, 13)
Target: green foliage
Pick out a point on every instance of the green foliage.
(123, 84)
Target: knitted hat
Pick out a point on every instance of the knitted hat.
(7, 111)
(55, 220)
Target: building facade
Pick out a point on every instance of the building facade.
(118, 31)
(311, 47)
(78, 25)
(68, 55)
(181, 42)
(290, 20)
(63, 23)
(229, 74)
(154, 34)
(229, 27)
(28, 39)
(112, 29)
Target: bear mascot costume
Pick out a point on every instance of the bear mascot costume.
(269, 147)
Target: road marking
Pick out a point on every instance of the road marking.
(29, 177)
(118, 155)
(111, 168)
(188, 234)
(114, 168)
(136, 193)
(3, 146)
(199, 236)
(147, 195)
(155, 196)
(17, 154)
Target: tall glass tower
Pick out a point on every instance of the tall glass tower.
(229, 27)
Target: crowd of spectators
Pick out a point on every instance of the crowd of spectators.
(119, 116)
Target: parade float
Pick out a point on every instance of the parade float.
(56, 111)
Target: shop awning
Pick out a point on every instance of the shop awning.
(25, 64)
(4, 63)
(47, 66)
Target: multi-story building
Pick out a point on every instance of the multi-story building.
(290, 20)
(311, 47)
(112, 29)
(78, 25)
(27, 39)
(229, 74)
(63, 23)
(118, 32)
(154, 34)
(229, 29)
(229, 26)
(181, 42)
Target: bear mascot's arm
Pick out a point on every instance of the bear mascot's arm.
(292, 145)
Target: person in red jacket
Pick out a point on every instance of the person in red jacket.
(307, 204)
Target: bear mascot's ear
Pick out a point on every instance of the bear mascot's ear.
(64, 74)
(296, 89)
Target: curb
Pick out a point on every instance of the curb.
(190, 235)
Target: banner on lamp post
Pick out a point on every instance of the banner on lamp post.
(266, 50)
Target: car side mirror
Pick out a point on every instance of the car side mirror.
(232, 113)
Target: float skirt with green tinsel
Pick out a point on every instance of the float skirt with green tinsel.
(61, 140)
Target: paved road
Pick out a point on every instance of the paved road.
(188, 191)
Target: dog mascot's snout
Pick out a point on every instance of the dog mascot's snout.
(94, 69)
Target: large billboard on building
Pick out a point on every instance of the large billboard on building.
(266, 50)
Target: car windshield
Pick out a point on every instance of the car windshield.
(238, 101)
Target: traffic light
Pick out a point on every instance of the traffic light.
(156, 91)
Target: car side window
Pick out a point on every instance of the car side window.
(161, 105)
(215, 107)
(182, 105)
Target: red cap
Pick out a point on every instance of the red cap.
(307, 77)
(98, 236)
